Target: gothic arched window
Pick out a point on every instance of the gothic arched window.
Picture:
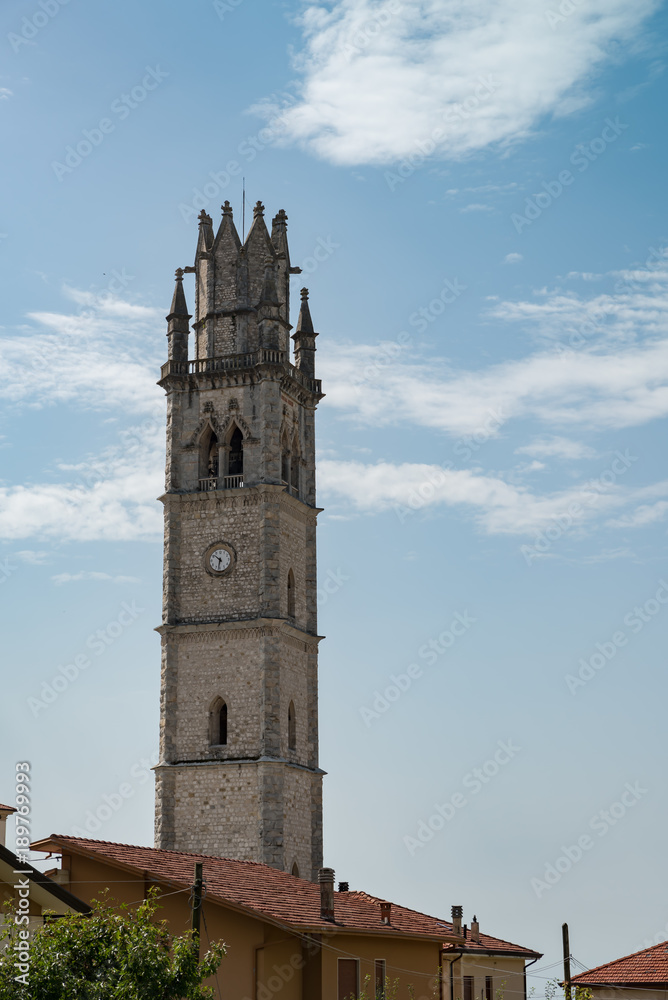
(209, 454)
(294, 467)
(235, 462)
(285, 461)
(291, 594)
(218, 723)
(292, 727)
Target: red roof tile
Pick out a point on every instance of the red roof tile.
(267, 891)
(642, 967)
(7, 808)
(493, 944)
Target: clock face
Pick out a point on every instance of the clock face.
(219, 560)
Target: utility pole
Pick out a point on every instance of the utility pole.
(567, 961)
(197, 888)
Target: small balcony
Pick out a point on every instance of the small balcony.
(221, 483)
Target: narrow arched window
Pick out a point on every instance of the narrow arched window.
(218, 723)
(292, 727)
(285, 462)
(295, 870)
(235, 464)
(222, 725)
(209, 451)
(291, 594)
(294, 468)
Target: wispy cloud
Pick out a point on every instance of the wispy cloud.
(557, 447)
(642, 516)
(513, 258)
(380, 76)
(62, 578)
(601, 363)
(498, 507)
(104, 357)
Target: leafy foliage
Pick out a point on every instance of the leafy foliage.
(115, 953)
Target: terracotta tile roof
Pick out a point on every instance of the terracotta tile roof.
(649, 966)
(264, 890)
(7, 808)
(493, 944)
(248, 884)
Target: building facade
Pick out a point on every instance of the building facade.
(238, 775)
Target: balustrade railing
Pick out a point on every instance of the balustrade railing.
(220, 483)
(237, 362)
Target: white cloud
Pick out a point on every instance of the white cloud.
(557, 447)
(498, 507)
(5, 93)
(32, 558)
(642, 516)
(62, 578)
(102, 358)
(112, 497)
(476, 206)
(379, 76)
(513, 258)
(604, 364)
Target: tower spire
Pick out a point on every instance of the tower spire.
(304, 338)
(178, 322)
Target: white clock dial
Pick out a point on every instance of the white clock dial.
(219, 560)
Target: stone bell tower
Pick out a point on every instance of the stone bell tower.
(238, 775)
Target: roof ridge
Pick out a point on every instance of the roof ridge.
(624, 958)
(164, 851)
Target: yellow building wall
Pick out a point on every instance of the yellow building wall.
(413, 962)
(507, 977)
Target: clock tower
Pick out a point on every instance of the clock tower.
(238, 775)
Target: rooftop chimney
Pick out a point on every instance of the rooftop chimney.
(385, 912)
(344, 887)
(326, 880)
(475, 930)
(457, 912)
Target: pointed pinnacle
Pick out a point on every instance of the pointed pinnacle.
(258, 210)
(304, 323)
(179, 306)
(227, 208)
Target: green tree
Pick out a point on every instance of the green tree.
(115, 953)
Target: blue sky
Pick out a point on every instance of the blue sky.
(476, 196)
